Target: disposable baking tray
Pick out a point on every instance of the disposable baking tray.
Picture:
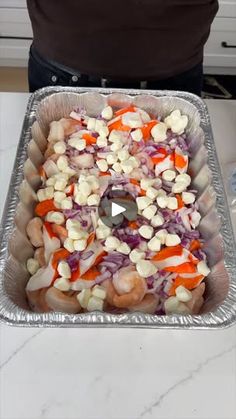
(52, 103)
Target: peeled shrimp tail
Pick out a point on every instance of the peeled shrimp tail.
(132, 298)
(37, 301)
(148, 304)
(58, 301)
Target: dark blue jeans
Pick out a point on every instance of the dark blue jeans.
(42, 73)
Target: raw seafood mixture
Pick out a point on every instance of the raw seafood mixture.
(154, 264)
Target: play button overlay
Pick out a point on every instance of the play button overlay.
(117, 208)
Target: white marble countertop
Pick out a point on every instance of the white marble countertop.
(115, 373)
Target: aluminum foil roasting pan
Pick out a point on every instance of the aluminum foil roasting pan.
(52, 103)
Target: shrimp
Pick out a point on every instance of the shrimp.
(148, 304)
(128, 288)
(59, 301)
(197, 299)
(34, 231)
(39, 256)
(37, 301)
(60, 231)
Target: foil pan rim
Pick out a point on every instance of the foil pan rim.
(223, 316)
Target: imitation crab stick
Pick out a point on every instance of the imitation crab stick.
(163, 163)
(185, 267)
(179, 201)
(60, 254)
(195, 245)
(91, 274)
(118, 126)
(125, 110)
(146, 129)
(42, 208)
(60, 231)
(189, 283)
(133, 225)
(176, 259)
(50, 230)
(90, 140)
(168, 252)
(91, 238)
(181, 161)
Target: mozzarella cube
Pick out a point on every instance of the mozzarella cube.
(161, 192)
(146, 231)
(123, 248)
(70, 171)
(50, 181)
(101, 142)
(62, 284)
(111, 158)
(123, 155)
(83, 297)
(41, 195)
(80, 198)
(152, 192)
(202, 268)
(102, 165)
(91, 124)
(162, 201)
(137, 135)
(183, 294)
(32, 266)
(147, 183)
(63, 269)
(177, 122)
(60, 147)
(116, 146)
(112, 243)
(55, 217)
(107, 113)
(161, 235)
(94, 182)
(99, 125)
(85, 188)
(188, 198)
(172, 240)
(74, 232)
(115, 136)
(195, 219)
(62, 163)
(146, 268)
(136, 255)
(172, 203)
(143, 202)
(99, 292)
(159, 132)
(157, 220)
(59, 196)
(127, 167)
(154, 244)
(72, 223)
(103, 131)
(149, 212)
(134, 162)
(184, 178)
(77, 143)
(93, 199)
(179, 187)
(132, 120)
(60, 184)
(69, 245)
(169, 175)
(49, 192)
(67, 203)
(103, 232)
(171, 305)
(95, 304)
(117, 168)
(80, 245)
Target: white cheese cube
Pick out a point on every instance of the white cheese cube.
(69, 171)
(63, 269)
(143, 202)
(172, 240)
(202, 268)
(69, 245)
(77, 143)
(146, 231)
(61, 176)
(117, 168)
(177, 122)
(162, 201)
(184, 177)
(101, 142)
(137, 135)
(94, 182)
(115, 136)
(91, 124)
(179, 187)
(154, 244)
(67, 203)
(169, 175)
(51, 181)
(99, 292)
(123, 155)
(195, 219)
(60, 147)
(72, 223)
(85, 188)
(157, 220)
(171, 305)
(116, 146)
(146, 268)
(62, 163)
(152, 192)
(112, 243)
(93, 199)
(95, 304)
(103, 232)
(132, 120)
(161, 192)
(183, 294)
(74, 233)
(59, 196)
(102, 165)
(32, 266)
(147, 183)
(123, 248)
(41, 195)
(80, 198)
(80, 245)
(149, 212)
(134, 162)
(188, 198)
(127, 167)
(103, 131)
(161, 235)
(107, 113)
(62, 284)
(159, 132)
(55, 217)
(60, 185)
(111, 158)
(49, 192)
(136, 255)
(172, 203)
(99, 124)
(83, 297)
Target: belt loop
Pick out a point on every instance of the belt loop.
(103, 82)
(143, 84)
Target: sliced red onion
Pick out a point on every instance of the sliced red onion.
(105, 275)
(73, 260)
(86, 255)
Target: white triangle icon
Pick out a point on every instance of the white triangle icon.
(116, 209)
